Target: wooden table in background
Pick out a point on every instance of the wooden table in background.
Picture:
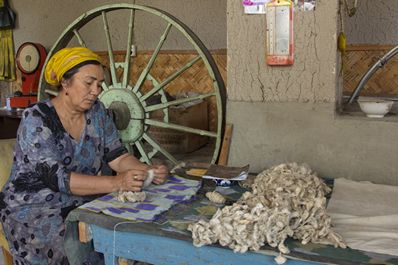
(9, 122)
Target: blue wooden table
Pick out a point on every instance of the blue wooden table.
(169, 242)
(156, 249)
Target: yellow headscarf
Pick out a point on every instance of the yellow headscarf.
(64, 60)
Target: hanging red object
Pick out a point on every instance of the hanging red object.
(280, 45)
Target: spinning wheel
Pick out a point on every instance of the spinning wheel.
(131, 97)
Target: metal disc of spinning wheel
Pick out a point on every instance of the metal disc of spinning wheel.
(131, 99)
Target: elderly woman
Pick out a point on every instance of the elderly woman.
(61, 146)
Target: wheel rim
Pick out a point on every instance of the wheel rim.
(129, 102)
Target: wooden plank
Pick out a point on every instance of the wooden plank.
(8, 260)
(223, 158)
(84, 233)
(196, 172)
(368, 47)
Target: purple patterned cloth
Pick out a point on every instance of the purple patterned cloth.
(159, 198)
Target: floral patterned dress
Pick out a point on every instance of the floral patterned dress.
(36, 199)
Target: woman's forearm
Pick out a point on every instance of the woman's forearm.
(82, 185)
(130, 180)
(127, 162)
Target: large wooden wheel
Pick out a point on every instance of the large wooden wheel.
(133, 104)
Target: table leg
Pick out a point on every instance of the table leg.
(110, 259)
(84, 233)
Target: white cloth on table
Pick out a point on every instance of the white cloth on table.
(365, 215)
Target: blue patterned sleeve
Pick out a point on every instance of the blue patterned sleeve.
(113, 144)
(41, 151)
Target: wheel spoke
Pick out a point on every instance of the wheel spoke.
(144, 155)
(127, 61)
(110, 50)
(119, 86)
(177, 102)
(51, 92)
(79, 38)
(148, 67)
(177, 127)
(163, 97)
(152, 153)
(104, 86)
(156, 146)
(170, 78)
(128, 147)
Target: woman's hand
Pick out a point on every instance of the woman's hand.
(131, 180)
(161, 172)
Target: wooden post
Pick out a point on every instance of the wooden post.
(7, 257)
(223, 158)
(84, 233)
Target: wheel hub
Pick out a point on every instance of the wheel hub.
(121, 114)
(128, 111)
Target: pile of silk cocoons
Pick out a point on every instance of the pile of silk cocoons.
(287, 200)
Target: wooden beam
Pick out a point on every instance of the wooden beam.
(226, 142)
(368, 47)
(196, 172)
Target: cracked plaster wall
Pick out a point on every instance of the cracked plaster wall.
(310, 79)
(267, 134)
(43, 21)
(375, 22)
(286, 114)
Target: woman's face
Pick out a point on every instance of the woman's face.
(84, 86)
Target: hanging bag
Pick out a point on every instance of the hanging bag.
(7, 16)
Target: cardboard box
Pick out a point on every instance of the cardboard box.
(177, 142)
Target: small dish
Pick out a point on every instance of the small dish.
(225, 182)
(374, 107)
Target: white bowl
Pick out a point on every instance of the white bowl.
(375, 108)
